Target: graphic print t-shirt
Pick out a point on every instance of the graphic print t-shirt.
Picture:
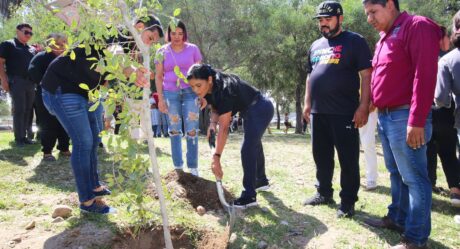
(334, 65)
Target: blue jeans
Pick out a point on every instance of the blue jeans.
(183, 107)
(83, 128)
(255, 121)
(410, 185)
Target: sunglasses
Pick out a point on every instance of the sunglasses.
(27, 32)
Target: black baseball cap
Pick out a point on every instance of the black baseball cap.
(328, 8)
(151, 22)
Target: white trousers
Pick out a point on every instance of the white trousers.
(367, 137)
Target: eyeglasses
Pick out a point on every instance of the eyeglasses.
(27, 32)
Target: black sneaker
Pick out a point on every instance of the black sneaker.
(102, 193)
(19, 144)
(318, 199)
(262, 186)
(28, 141)
(98, 208)
(245, 202)
(346, 211)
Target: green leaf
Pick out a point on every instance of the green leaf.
(177, 12)
(132, 78)
(110, 77)
(87, 49)
(84, 86)
(173, 24)
(177, 71)
(72, 55)
(94, 106)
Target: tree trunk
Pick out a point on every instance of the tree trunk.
(299, 92)
(146, 124)
(278, 116)
(5, 7)
(298, 107)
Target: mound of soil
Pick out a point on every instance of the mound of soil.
(194, 190)
(153, 239)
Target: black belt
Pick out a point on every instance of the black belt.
(392, 109)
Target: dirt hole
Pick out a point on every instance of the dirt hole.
(182, 239)
(194, 190)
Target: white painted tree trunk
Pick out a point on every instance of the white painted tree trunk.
(146, 124)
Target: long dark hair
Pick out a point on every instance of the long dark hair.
(181, 25)
(455, 38)
(204, 71)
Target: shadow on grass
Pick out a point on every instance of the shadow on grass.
(57, 175)
(297, 233)
(15, 155)
(389, 236)
(438, 205)
(86, 231)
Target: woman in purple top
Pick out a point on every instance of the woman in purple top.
(175, 97)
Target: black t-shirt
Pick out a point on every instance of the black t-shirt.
(17, 56)
(68, 74)
(38, 66)
(231, 94)
(334, 65)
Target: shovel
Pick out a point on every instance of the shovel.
(220, 190)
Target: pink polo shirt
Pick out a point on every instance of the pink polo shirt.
(405, 66)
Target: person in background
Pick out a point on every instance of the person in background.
(175, 97)
(448, 84)
(50, 128)
(287, 123)
(228, 94)
(155, 117)
(339, 69)
(403, 82)
(367, 138)
(15, 57)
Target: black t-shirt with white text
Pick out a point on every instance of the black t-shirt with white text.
(334, 65)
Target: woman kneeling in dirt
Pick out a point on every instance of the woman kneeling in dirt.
(228, 94)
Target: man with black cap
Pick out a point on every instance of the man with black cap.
(336, 63)
(15, 56)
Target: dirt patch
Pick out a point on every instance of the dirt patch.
(88, 235)
(194, 190)
(181, 238)
(213, 240)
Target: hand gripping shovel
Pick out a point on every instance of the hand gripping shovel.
(220, 189)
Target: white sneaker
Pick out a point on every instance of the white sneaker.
(371, 185)
(194, 172)
(457, 219)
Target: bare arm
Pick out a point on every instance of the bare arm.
(362, 113)
(159, 77)
(224, 124)
(307, 101)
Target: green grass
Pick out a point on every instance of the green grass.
(30, 188)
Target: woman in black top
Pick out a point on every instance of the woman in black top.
(228, 94)
(64, 98)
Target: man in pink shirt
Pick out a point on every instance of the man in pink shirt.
(402, 88)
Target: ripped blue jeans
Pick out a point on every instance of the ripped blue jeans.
(183, 107)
